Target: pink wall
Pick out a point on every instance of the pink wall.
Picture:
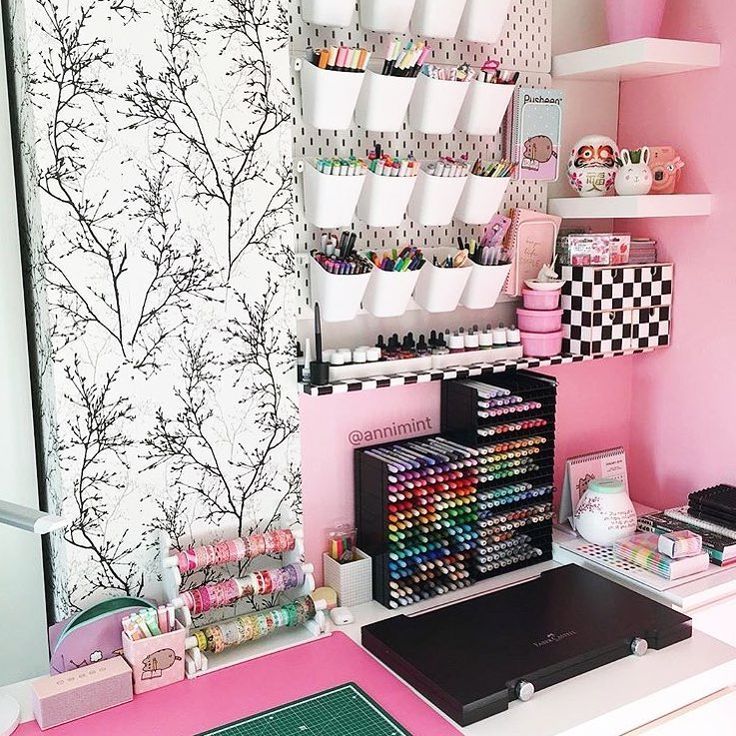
(593, 413)
(683, 435)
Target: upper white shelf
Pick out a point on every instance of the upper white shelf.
(651, 205)
(638, 59)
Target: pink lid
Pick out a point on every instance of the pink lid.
(532, 313)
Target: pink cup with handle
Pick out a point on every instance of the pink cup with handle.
(630, 19)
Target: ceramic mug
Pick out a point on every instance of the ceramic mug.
(605, 514)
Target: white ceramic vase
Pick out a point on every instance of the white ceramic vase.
(605, 513)
(591, 168)
(634, 179)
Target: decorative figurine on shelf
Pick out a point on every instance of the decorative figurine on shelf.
(666, 166)
(634, 177)
(592, 167)
(547, 280)
(605, 513)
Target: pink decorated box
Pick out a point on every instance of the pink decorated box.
(62, 698)
(156, 660)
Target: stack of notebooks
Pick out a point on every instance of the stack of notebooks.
(711, 514)
(642, 251)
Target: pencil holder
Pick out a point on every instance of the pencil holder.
(435, 198)
(330, 201)
(437, 18)
(157, 660)
(481, 199)
(483, 20)
(484, 108)
(336, 13)
(436, 104)
(384, 199)
(386, 16)
(383, 102)
(389, 292)
(352, 581)
(484, 286)
(329, 98)
(339, 297)
(440, 289)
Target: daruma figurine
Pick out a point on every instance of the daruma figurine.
(592, 167)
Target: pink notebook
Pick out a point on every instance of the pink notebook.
(531, 238)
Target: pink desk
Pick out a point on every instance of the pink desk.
(193, 706)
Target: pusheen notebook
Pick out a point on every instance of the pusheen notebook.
(531, 241)
(580, 470)
(534, 133)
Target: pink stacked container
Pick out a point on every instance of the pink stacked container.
(540, 322)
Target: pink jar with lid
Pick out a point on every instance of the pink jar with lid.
(530, 320)
(543, 300)
(541, 345)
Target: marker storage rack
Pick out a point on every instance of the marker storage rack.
(416, 519)
(473, 417)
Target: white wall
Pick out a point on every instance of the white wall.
(23, 650)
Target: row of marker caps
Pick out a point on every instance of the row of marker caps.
(509, 561)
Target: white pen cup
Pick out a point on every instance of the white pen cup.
(435, 198)
(439, 289)
(386, 16)
(330, 200)
(436, 104)
(383, 102)
(483, 21)
(437, 18)
(389, 292)
(338, 296)
(481, 199)
(329, 97)
(384, 199)
(484, 286)
(484, 107)
(333, 13)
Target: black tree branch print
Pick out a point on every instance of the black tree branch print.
(158, 217)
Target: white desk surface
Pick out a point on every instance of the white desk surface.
(609, 701)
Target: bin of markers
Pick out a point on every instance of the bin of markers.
(436, 104)
(335, 13)
(329, 97)
(439, 289)
(352, 581)
(339, 295)
(481, 199)
(435, 198)
(330, 199)
(437, 18)
(484, 286)
(484, 107)
(156, 661)
(389, 292)
(386, 16)
(384, 199)
(383, 102)
(483, 21)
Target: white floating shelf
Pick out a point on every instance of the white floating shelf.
(652, 205)
(638, 59)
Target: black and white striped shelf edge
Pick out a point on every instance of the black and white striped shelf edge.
(448, 374)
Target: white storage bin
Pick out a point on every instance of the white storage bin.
(440, 289)
(339, 297)
(483, 20)
(481, 199)
(335, 13)
(386, 16)
(383, 102)
(330, 201)
(384, 199)
(436, 104)
(484, 108)
(484, 286)
(437, 18)
(329, 98)
(352, 581)
(435, 198)
(389, 292)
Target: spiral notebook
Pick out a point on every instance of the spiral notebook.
(582, 469)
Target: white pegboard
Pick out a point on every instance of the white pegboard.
(525, 46)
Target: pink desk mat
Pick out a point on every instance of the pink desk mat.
(194, 706)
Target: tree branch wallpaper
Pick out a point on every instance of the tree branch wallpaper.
(157, 187)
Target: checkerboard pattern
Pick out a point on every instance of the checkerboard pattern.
(449, 374)
(609, 309)
(603, 289)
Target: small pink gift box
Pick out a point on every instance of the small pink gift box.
(157, 660)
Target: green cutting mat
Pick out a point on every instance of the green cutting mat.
(343, 711)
